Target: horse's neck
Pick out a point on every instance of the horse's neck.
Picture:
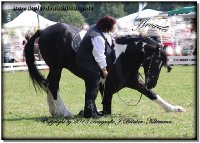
(127, 65)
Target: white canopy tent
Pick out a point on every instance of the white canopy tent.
(143, 14)
(25, 22)
(28, 20)
(125, 24)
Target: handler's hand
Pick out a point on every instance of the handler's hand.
(105, 72)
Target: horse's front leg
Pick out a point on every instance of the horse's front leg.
(156, 98)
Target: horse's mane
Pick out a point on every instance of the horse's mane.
(126, 39)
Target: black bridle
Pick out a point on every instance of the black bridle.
(150, 58)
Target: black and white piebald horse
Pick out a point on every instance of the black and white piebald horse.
(56, 47)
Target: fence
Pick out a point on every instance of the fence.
(181, 60)
(21, 66)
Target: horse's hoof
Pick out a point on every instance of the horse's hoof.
(91, 114)
(99, 113)
(178, 109)
(68, 115)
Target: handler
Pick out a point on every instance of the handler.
(94, 57)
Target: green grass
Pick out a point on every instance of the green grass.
(26, 115)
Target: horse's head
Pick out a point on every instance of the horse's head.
(154, 59)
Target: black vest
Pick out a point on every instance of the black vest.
(85, 58)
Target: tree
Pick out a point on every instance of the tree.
(154, 6)
(89, 16)
(74, 18)
(100, 9)
(57, 11)
(113, 9)
(13, 15)
(131, 7)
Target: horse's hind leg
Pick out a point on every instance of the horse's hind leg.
(56, 106)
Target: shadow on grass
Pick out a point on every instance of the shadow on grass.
(38, 119)
(50, 118)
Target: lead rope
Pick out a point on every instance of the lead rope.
(128, 103)
(125, 102)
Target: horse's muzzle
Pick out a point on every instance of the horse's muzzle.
(150, 83)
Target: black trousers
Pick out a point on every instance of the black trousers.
(91, 84)
(90, 73)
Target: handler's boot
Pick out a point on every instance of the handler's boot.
(99, 113)
(90, 110)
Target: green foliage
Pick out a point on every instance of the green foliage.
(65, 16)
(90, 16)
(74, 18)
(24, 110)
(12, 13)
(11, 34)
(111, 8)
(115, 9)
(131, 7)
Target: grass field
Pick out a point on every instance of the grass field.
(26, 115)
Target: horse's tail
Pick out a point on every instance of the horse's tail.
(36, 77)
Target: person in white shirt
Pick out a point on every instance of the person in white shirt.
(94, 57)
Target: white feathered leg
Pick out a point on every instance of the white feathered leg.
(167, 106)
(57, 107)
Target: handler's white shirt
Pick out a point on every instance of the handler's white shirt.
(99, 49)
